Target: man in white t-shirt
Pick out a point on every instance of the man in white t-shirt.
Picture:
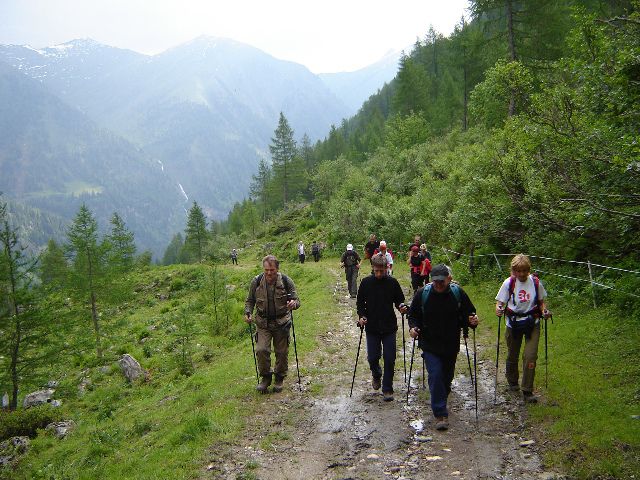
(521, 300)
(301, 251)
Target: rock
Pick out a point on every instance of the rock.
(423, 439)
(395, 469)
(84, 384)
(446, 449)
(60, 429)
(373, 456)
(527, 443)
(5, 400)
(456, 473)
(56, 403)
(635, 417)
(52, 384)
(105, 369)
(433, 458)
(131, 368)
(38, 398)
(13, 448)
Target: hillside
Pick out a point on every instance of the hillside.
(54, 158)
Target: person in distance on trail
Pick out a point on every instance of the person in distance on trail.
(385, 252)
(351, 262)
(315, 251)
(417, 267)
(377, 295)
(371, 246)
(234, 257)
(301, 255)
(438, 312)
(417, 240)
(274, 296)
(523, 295)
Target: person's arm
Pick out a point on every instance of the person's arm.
(294, 300)
(250, 302)
(414, 318)
(361, 304)
(502, 298)
(470, 319)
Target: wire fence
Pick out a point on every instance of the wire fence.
(590, 266)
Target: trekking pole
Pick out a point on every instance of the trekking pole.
(475, 371)
(404, 350)
(546, 360)
(424, 375)
(413, 347)
(295, 347)
(356, 365)
(465, 335)
(495, 385)
(253, 348)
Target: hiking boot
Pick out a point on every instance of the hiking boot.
(442, 423)
(529, 397)
(376, 383)
(264, 384)
(514, 387)
(387, 396)
(278, 384)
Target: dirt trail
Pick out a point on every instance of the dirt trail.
(321, 433)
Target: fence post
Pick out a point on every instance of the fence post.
(472, 258)
(593, 291)
(499, 266)
(448, 258)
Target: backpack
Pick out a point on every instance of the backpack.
(284, 281)
(523, 322)
(315, 248)
(350, 259)
(455, 289)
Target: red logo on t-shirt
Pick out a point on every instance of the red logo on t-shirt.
(523, 296)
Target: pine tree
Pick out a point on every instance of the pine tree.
(196, 234)
(122, 246)
(53, 266)
(283, 151)
(260, 186)
(172, 254)
(88, 263)
(23, 328)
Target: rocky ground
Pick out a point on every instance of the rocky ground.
(316, 431)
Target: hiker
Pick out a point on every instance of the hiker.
(350, 261)
(377, 295)
(437, 314)
(301, 251)
(274, 296)
(523, 296)
(371, 246)
(315, 251)
(385, 252)
(234, 257)
(417, 240)
(425, 255)
(416, 268)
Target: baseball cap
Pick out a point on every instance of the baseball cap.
(440, 272)
(349, 246)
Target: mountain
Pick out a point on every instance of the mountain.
(206, 110)
(54, 158)
(354, 88)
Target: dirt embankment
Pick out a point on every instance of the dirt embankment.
(319, 432)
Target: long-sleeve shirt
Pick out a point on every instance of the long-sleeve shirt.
(441, 321)
(376, 300)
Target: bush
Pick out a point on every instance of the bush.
(27, 422)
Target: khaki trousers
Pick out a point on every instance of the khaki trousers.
(280, 339)
(529, 357)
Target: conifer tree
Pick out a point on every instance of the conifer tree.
(196, 234)
(173, 253)
(53, 266)
(23, 328)
(88, 263)
(283, 150)
(122, 246)
(260, 186)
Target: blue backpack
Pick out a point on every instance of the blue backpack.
(455, 289)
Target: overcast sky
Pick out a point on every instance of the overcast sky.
(325, 36)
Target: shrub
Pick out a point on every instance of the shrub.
(26, 422)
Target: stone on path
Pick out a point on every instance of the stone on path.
(38, 398)
(527, 443)
(373, 456)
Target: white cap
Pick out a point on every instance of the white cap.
(349, 246)
(383, 244)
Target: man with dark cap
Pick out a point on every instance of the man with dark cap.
(437, 314)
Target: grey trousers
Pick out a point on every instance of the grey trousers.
(529, 357)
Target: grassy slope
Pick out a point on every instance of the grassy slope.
(162, 428)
